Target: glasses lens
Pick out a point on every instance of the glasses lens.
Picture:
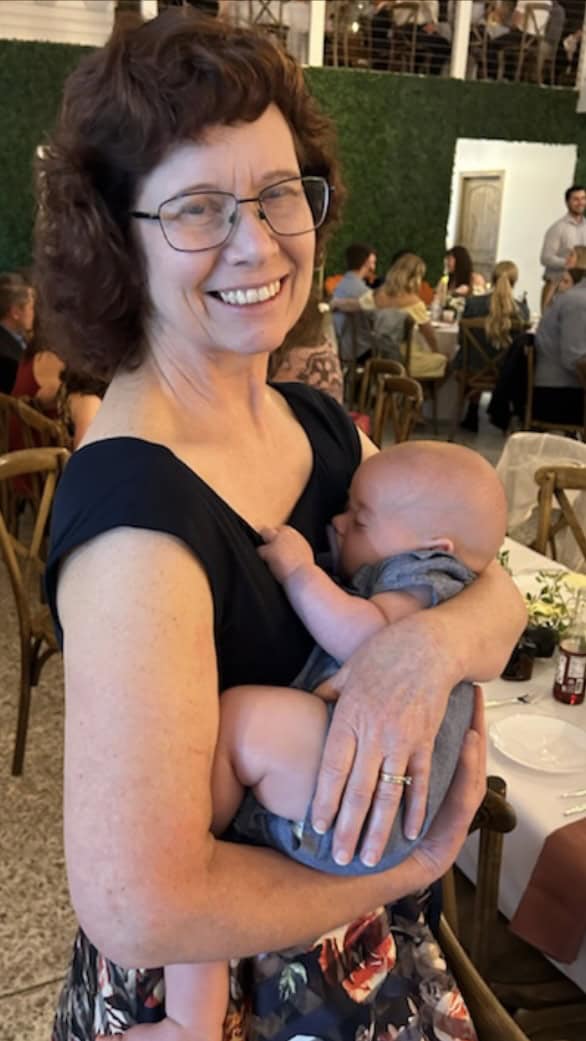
(198, 221)
(295, 206)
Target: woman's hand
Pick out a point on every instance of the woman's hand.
(392, 696)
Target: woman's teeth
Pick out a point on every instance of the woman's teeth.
(250, 296)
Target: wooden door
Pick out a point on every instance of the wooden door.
(479, 218)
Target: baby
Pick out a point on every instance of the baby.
(423, 518)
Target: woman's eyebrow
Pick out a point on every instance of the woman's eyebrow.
(271, 177)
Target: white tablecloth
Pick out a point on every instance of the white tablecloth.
(535, 795)
(446, 334)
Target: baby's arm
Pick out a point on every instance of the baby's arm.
(196, 1002)
(338, 621)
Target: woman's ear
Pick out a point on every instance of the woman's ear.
(440, 542)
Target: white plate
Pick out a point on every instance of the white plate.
(541, 742)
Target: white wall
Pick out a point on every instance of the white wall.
(59, 21)
(536, 177)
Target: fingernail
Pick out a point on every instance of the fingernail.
(411, 834)
(369, 859)
(341, 857)
(320, 826)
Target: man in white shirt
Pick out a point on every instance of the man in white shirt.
(567, 232)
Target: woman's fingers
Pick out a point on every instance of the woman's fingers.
(419, 769)
(336, 764)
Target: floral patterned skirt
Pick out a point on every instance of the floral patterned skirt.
(382, 978)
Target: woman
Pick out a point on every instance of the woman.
(401, 292)
(78, 399)
(504, 318)
(558, 392)
(39, 373)
(177, 245)
(575, 262)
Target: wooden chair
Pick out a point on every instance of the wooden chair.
(263, 17)
(38, 431)
(429, 384)
(531, 423)
(554, 482)
(25, 563)
(533, 38)
(399, 399)
(8, 504)
(351, 43)
(494, 819)
(403, 46)
(492, 947)
(373, 368)
(474, 379)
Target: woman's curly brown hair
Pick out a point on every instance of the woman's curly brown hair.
(123, 108)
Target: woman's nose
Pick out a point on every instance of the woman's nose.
(252, 237)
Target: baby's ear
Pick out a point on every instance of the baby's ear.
(441, 542)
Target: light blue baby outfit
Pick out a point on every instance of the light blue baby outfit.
(440, 576)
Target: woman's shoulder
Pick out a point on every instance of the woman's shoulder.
(416, 308)
(121, 481)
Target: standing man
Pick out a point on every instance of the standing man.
(567, 232)
(360, 265)
(17, 312)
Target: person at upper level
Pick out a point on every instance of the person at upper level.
(17, 312)
(562, 237)
(360, 264)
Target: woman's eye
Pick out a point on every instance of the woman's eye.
(281, 191)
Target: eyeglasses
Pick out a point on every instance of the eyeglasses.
(195, 221)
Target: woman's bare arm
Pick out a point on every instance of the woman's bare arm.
(426, 330)
(148, 881)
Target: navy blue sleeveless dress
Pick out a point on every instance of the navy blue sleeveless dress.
(366, 980)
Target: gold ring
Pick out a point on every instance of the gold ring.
(387, 778)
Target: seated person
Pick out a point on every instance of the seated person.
(360, 262)
(515, 19)
(574, 262)
(504, 318)
(404, 543)
(78, 401)
(456, 282)
(17, 311)
(400, 291)
(560, 341)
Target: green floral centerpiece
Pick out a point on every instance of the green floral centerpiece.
(552, 602)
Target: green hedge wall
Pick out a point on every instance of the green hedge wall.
(397, 140)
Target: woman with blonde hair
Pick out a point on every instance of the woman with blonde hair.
(504, 316)
(400, 291)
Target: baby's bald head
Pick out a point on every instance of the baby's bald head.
(443, 491)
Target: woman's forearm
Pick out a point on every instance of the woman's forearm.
(246, 900)
(428, 334)
(482, 624)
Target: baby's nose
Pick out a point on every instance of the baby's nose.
(339, 523)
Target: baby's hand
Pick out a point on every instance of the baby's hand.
(285, 551)
(166, 1030)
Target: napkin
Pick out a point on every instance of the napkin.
(552, 911)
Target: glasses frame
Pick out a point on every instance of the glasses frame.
(145, 215)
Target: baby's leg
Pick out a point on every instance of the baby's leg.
(270, 740)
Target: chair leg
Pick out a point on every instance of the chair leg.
(434, 406)
(24, 703)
